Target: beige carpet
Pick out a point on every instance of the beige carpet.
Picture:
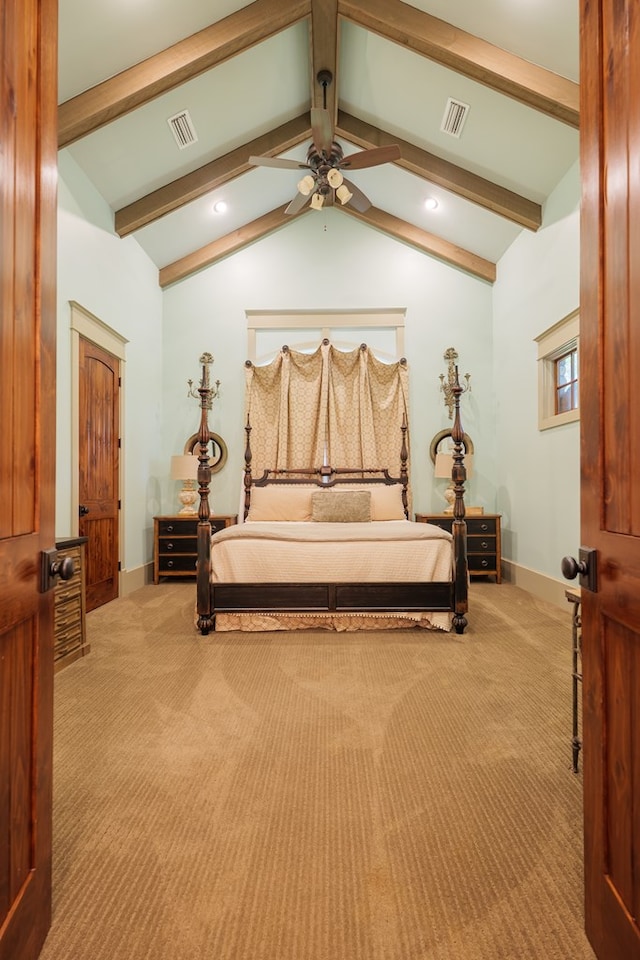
(401, 795)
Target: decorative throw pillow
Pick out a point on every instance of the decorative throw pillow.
(280, 503)
(341, 506)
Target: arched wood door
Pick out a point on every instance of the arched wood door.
(610, 454)
(28, 155)
(99, 470)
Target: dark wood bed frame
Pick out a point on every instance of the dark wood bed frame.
(339, 598)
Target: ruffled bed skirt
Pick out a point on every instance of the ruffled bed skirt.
(253, 622)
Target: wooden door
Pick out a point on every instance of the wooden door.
(27, 467)
(610, 422)
(98, 487)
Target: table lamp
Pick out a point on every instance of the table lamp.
(185, 467)
(442, 471)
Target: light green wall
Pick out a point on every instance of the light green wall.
(537, 472)
(116, 282)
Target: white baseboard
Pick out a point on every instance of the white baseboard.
(539, 584)
(131, 580)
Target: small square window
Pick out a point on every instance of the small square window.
(567, 381)
(558, 379)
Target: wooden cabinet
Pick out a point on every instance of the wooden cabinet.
(175, 544)
(70, 633)
(483, 541)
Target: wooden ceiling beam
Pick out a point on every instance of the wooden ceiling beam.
(324, 53)
(210, 176)
(455, 179)
(183, 61)
(475, 58)
(425, 242)
(225, 246)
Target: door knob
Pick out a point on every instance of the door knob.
(82, 510)
(51, 567)
(572, 567)
(62, 568)
(585, 567)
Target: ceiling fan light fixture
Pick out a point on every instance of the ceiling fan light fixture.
(343, 194)
(334, 178)
(317, 200)
(305, 186)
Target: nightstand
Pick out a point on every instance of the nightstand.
(175, 544)
(483, 541)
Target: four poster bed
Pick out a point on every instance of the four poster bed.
(326, 546)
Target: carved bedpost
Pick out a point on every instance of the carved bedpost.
(404, 472)
(247, 469)
(205, 618)
(204, 468)
(459, 476)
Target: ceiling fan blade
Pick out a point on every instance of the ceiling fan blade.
(322, 130)
(297, 203)
(370, 158)
(277, 162)
(358, 200)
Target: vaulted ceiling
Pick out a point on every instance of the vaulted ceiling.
(246, 73)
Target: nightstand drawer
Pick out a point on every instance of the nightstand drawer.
(181, 563)
(479, 525)
(220, 524)
(178, 544)
(178, 526)
(481, 564)
(445, 523)
(481, 545)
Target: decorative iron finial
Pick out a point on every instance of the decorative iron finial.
(448, 382)
(205, 383)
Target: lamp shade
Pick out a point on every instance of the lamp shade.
(184, 467)
(444, 464)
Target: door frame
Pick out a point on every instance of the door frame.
(85, 324)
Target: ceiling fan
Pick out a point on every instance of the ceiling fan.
(326, 162)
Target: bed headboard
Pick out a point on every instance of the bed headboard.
(326, 476)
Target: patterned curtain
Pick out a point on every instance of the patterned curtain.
(342, 408)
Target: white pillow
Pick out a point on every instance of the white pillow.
(386, 502)
(280, 503)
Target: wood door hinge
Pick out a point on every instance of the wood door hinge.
(119, 504)
(119, 566)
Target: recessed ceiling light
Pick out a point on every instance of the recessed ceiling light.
(220, 207)
(431, 203)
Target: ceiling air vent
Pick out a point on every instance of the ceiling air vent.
(455, 114)
(183, 129)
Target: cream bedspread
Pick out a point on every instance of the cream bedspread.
(380, 551)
